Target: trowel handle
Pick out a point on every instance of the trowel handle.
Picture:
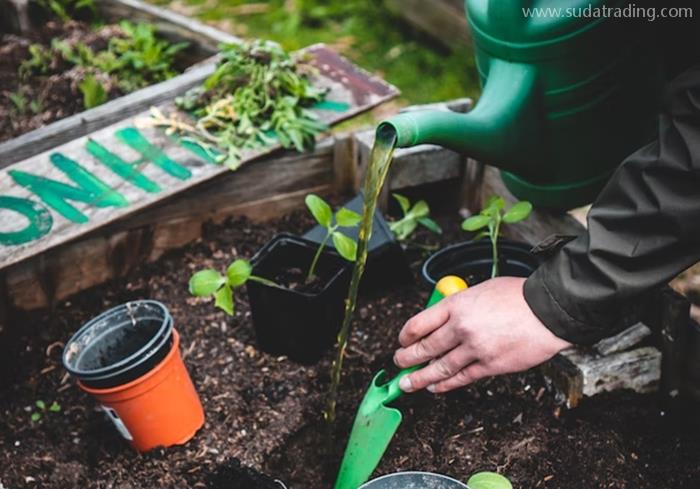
(448, 285)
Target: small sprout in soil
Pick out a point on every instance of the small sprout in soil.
(41, 409)
(322, 212)
(491, 217)
(94, 93)
(65, 10)
(259, 95)
(413, 215)
(209, 282)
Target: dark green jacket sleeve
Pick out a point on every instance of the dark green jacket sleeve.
(643, 229)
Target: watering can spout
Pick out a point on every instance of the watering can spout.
(496, 131)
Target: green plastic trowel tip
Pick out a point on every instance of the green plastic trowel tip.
(488, 480)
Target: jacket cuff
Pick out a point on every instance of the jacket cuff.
(555, 315)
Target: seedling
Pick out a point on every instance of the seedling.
(209, 282)
(93, 92)
(322, 212)
(413, 215)
(491, 217)
(42, 409)
(65, 9)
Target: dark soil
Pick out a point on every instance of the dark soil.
(55, 94)
(29, 101)
(265, 411)
(295, 279)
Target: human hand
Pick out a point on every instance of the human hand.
(483, 331)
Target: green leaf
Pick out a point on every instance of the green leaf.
(420, 209)
(345, 246)
(481, 235)
(238, 272)
(403, 228)
(495, 201)
(40, 404)
(488, 480)
(403, 202)
(55, 407)
(520, 211)
(224, 299)
(36, 417)
(430, 225)
(320, 210)
(206, 282)
(474, 223)
(347, 218)
(93, 92)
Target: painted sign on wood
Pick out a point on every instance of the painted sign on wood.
(80, 186)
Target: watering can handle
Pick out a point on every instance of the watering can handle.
(447, 285)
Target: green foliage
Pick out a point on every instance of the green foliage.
(413, 215)
(42, 408)
(39, 61)
(66, 9)
(257, 96)
(322, 212)
(132, 60)
(210, 283)
(491, 217)
(93, 92)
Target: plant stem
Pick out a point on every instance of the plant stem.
(312, 268)
(494, 246)
(263, 281)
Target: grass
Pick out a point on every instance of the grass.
(363, 30)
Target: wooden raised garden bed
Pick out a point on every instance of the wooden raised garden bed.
(197, 62)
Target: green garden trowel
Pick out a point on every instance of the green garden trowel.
(376, 422)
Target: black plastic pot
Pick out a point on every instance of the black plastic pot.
(472, 261)
(300, 325)
(386, 262)
(120, 344)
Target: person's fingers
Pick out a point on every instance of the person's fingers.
(466, 376)
(440, 370)
(427, 348)
(423, 323)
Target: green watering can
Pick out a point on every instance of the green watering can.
(566, 97)
(376, 421)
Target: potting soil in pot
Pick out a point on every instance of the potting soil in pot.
(265, 410)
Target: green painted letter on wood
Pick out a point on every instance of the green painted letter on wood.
(39, 217)
(90, 190)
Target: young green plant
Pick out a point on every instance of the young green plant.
(322, 212)
(209, 282)
(489, 221)
(413, 215)
(42, 408)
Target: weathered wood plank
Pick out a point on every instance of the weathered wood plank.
(204, 41)
(261, 190)
(443, 20)
(163, 167)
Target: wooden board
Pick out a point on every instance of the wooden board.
(204, 40)
(350, 89)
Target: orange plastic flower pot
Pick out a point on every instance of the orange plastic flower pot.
(160, 408)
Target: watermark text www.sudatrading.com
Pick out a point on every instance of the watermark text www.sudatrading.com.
(630, 11)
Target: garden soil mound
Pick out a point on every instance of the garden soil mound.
(266, 412)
